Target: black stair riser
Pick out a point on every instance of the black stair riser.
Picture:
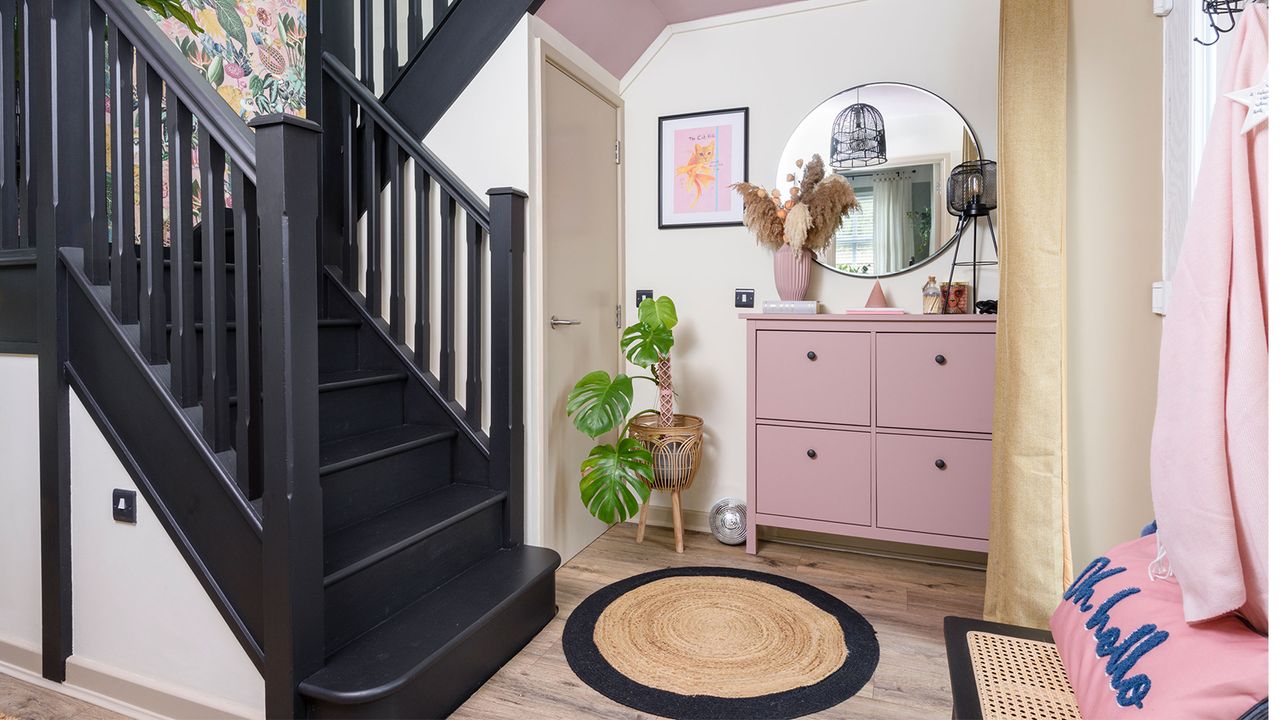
(359, 410)
(454, 675)
(359, 493)
(337, 349)
(361, 601)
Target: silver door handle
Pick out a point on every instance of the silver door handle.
(559, 322)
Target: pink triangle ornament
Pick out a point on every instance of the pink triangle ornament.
(877, 298)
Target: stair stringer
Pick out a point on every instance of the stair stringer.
(215, 529)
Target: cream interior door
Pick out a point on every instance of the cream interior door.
(581, 182)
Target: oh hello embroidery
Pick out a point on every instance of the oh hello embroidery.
(1121, 655)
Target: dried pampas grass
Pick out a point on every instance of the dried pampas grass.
(796, 227)
(808, 219)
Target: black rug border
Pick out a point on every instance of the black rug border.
(589, 664)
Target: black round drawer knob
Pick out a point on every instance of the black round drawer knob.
(940, 464)
(940, 359)
(811, 355)
(812, 453)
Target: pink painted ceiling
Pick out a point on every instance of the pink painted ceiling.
(616, 32)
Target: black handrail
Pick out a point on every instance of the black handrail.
(183, 80)
(369, 103)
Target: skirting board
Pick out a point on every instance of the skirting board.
(699, 521)
(118, 691)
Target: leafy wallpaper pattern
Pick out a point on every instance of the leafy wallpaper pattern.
(252, 51)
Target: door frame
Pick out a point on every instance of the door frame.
(538, 511)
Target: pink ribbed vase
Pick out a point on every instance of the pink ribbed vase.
(791, 272)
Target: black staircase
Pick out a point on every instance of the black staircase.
(347, 488)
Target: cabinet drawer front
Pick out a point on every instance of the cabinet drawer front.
(935, 381)
(821, 377)
(913, 493)
(814, 474)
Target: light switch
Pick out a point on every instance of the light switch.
(124, 506)
(744, 298)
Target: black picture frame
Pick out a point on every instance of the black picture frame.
(666, 177)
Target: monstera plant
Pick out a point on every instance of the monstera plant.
(616, 475)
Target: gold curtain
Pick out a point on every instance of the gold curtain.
(1030, 556)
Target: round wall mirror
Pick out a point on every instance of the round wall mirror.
(895, 144)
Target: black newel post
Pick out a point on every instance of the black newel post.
(506, 418)
(293, 573)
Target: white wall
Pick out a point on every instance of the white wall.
(20, 623)
(781, 63)
(1114, 223)
(140, 617)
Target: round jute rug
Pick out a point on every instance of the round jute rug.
(709, 642)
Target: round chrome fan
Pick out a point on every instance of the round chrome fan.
(729, 521)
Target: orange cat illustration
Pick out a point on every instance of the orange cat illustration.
(698, 173)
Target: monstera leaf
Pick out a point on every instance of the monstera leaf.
(599, 403)
(614, 480)
(646, 344)
(173, 9)
(658, 313)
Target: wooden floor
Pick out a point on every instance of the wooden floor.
(905, 601)
(23, 701)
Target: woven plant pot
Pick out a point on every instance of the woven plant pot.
(676, 449)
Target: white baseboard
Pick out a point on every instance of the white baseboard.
(117, 690)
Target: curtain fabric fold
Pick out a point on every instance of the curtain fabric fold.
(1029, 561)
(891, 199)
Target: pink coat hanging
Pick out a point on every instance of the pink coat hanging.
(1209, 444)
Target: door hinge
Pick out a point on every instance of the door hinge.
(617, 316)
(617, 152)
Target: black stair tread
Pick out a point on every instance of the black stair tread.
(387, 657)
(324, 322)
(352, 451)
(353, 548)
(349, 379)
(356, 378)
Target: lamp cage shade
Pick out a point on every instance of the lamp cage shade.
(857, 138)
(971, 189)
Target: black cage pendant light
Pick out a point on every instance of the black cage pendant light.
(857, 138)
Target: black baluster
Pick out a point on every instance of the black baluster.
(395, 158)
(97, 259)
(366, 43)
(9, 126)
(213, 259)
(415, 26)
(474, 307)
(390, 43)
(350, 196)
(183, 351)
(422, 241)
(244, 202)
(371, 180)
(448, 249)
(124, 261)
(151, 330)
(438, 10)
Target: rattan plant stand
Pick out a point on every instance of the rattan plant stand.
(677, 452)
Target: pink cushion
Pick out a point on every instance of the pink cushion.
(1129, 653)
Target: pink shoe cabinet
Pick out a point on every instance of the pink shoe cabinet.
(873, 427)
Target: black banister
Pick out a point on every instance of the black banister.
(183, 80)
(372, 107)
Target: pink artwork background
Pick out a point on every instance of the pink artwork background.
(714, 176)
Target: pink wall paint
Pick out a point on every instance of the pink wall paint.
(615, 33)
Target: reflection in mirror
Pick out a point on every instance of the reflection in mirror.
(902, 220)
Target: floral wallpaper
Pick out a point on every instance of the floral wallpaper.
(252, 51)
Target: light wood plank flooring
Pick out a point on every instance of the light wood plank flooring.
(905, 601)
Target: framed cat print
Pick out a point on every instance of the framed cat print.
(699, 156)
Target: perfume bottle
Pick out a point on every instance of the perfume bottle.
(932, 297)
